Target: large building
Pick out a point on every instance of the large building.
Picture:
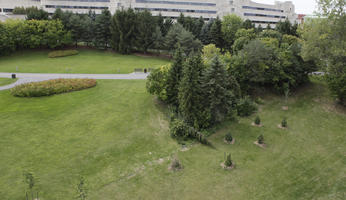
(263, 14)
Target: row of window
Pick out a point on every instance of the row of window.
(259, 8)
(176, 2)
(263, 22)
(76, 7)
(86, 0)
(178, 10)
(263, 15)
(6, 10)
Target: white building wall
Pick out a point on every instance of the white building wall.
(246, 9)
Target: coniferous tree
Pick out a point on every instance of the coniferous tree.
(269, 27)
(166, 26)
(145, 30)
(220, 101)
(189, 96)
(259, 29)
(102, 29)
(174, 78)
(216, 34)
(248, 24)
(205, 35)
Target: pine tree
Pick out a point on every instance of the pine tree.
(220, 101)
(216, 34)
(174, 78)
(102, 29)
(190, 102)
(145, 30)
(205, 35)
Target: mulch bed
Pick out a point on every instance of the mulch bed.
(260, 145)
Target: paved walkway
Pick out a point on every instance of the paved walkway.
(36, 77)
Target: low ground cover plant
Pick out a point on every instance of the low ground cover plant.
(258, 120)
(228, 137)
(51, 87)
(62, 53)
(284, 123)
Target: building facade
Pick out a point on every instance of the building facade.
(263, 14)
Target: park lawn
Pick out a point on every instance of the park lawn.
(105, 134)
(87, 61)
(6, 81)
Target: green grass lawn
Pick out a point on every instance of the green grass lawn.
(6, 81)
(87, 61)
(115, 134)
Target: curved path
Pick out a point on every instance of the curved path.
(36, 77)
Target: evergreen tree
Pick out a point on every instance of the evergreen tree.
(269, 27)
(220, 101)
(145, 30)
(166, 26)
(216, 34)
(174, 78)
(205, 35)
(259, 29)
(58, 14)
(248, 24)
(123, 29)
(284, 27)
(181, 19)
(190, 102)
(102, 29)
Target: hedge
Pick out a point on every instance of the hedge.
(51, 87)
(62, 53)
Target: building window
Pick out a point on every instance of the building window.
(232, 9)
(230, 2)
(258, 8)
(176, 2)
(263, 15)
(178, 10)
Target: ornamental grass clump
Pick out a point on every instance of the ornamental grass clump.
(175, 165)
(62, 53)
(260, 139)
(51, 87)
(228, 161)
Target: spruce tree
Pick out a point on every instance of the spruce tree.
(190, 102)
(145, 30)
(220, 101)
(216, 34)
(102, 29)
(174, 78)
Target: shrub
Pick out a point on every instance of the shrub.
(175, 164)
(62, 53)
(257, 120)
(179, 129)
(246, 107)
(228, 137)
(51, 87)
(228, 161)
(284, 123)
(260, 139)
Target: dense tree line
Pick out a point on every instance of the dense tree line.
(18, 34)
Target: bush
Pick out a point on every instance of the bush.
(228, 161)
(228, 137)
(246, 107)
(260, 139)
(62, 53)
(51, 87)
(284, 123)
(179, 129)
(257, 120)
(175, 164)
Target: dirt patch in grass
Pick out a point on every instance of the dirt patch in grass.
(257, 125)
(227, 142)
(260, 145)
(226, 167)
(281, 127)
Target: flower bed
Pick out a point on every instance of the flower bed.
(51, 87)
(62, 53)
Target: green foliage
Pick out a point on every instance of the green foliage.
(260, 139)
(337, 85)
(230, 25)
(16, 34)
(228, 137)
(190, 92)
(205, 36)
(284, 123)
(19, 10)
(247, 24)
(257, 120)
(51, 87)
(62, 53)
(174, 78)
(210, 51)
(246, 107)
(123, 28)
(220, 102)
(243, 37)
(177, 36)
(216, 34)
(228, 161)
(145, 30)
(29, 180)
(36, 14)
(102, 29)
(157, 82)
(285, 27)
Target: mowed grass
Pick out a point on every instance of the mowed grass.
(116, 136)
(87, 61)
(6, 81)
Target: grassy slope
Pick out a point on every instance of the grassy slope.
(6, 81)
(105, 134)
(88, 61)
